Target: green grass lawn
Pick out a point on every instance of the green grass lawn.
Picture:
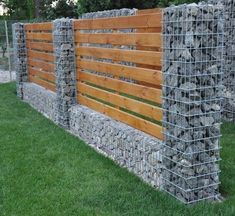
(46, 171)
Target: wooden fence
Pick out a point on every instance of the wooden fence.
(39, 43)
(126, 84)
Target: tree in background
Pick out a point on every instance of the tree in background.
(85, 6)
(166, 3)
(38, 9)
(52, 9)
(62, 8)
(18, 9)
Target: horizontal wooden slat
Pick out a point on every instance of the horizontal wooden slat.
(40, 55)
(46, 66)
(121, 101)
(43, 83)
(139, 21)
(47, 26)
(39, 36)
(40, 46)
(136, 73)
(143, 92)
(148, 11)
(136, 122)
(142, 39)
(41, 74)
(136, 56)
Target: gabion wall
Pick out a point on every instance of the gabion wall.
(19, 44)
(192, 68)
(229, 58)
(187, 167)
(65, 68)
(130, 148)
(41, 99)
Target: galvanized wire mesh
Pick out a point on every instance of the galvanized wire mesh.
(229, 78)
(192, 67)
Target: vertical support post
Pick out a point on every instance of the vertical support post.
(192, 96)
(19, 43)
(8, 50)
(229, 57)
(65, 69)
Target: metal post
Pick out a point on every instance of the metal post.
(8, 50)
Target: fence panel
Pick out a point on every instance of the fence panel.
(119, 68)
(39, 43)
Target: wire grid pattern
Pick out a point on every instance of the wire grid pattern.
(20, 51)
(192, 101)
(65, 68)
(229, 79)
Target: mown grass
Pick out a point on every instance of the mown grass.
(46, 171)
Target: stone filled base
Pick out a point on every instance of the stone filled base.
(130, 148)
(41, 99)
(229, 108)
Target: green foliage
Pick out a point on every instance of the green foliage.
(85, 6)
(38, 9)
(18, 10)
(63, 8)
(44, 10)
(166, 3)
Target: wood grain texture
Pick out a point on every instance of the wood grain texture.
(136, 39)
(41, 56)
(39, 36)
(121, 101)
(136, 73)
(42, 74)
(41, 46)
(43, 83)
(47, 26)
(136, 56)
(136, 122)
(140, 91)
(41, 65)
(138, 21)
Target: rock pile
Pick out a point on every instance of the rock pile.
(65, 69)
(19, 43)
(192, 67)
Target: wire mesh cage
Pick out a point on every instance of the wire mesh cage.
(229, 56)
(192, 94)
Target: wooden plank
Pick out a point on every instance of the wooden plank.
(39, 36)
(43, 83)
(47, 26)
(136, 56)
(39, 46)
(41, 74)
(121, 101)
(143, 92)
(138, 21)
(136, 73)
(148, 11)
(136, 122)
(46, 66)
(41, 56)
(141, 39)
